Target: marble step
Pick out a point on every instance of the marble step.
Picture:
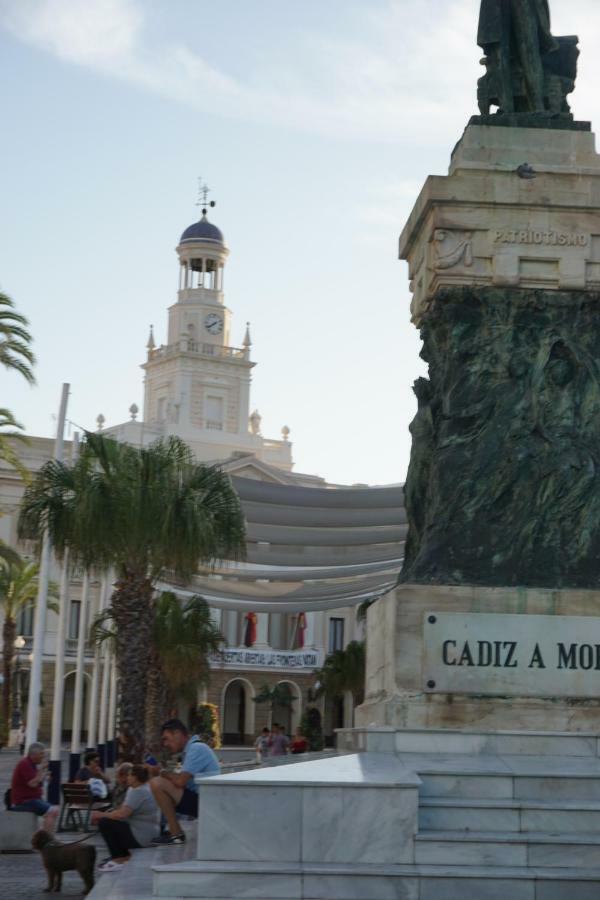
(501, 743)
(508, 849)
(506, 815)
(506, 777)
(291, 881)
(476, 743)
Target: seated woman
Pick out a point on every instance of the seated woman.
(132, 825)
(121, 784)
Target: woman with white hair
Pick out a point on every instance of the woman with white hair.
(121, 784)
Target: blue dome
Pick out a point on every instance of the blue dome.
(203, 231)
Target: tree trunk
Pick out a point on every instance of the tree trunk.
(9, 633)
(133, 614)
(156, 704)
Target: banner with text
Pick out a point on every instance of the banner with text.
(516, 655)
(267, 659)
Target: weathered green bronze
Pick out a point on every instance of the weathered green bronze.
(503, 486)
(528, 70)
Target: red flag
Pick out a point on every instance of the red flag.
(250, 633)
(301, 629)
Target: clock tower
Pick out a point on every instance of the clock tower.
(197, 385)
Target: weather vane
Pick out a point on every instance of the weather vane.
(203, 192)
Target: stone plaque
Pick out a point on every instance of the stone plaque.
(515, 655)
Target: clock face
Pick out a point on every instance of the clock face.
(213, 323)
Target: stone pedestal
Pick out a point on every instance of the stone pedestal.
(399, 689)
(502, 493)
(504, 262)
(520, 207)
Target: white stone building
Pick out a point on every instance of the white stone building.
(197, 385)
(314, 550)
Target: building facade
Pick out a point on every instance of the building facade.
(197, 386)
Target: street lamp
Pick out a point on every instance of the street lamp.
(16, 714)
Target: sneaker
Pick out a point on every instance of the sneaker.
(160, 837)
(110, 866)
(163, 831)
(167, 838)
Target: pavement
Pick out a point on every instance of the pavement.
(22, 875)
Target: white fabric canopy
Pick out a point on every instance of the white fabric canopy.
(308, 549)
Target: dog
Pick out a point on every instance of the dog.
(59, 858)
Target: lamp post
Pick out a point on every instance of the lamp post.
(19, 643)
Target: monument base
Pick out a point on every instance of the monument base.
(500, 713)
(416, 815)
(402, 693)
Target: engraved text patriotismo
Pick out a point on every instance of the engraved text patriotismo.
(547, 238)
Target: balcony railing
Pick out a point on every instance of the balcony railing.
(71, 648)
(199, 348)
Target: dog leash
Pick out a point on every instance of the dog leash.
(71, 843)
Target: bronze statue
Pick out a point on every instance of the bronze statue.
(528, 69)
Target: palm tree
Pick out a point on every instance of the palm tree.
(7, 439)
(15, 340)
(184, 638)
(342, 671)
(275, 695)
(15, 354)
(143, 513)
(18, 590)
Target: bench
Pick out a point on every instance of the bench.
(16, 830)
(77, 806)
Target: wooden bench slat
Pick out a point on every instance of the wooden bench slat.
(78, 803)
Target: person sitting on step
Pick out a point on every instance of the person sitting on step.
(177, 792)
(26, 787)
(132, 824)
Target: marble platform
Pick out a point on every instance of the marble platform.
(498, 814)
(286, 814)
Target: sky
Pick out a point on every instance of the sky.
(315, 124)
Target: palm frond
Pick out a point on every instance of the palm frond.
(8, 556)
(15, 340)
(8, 452)
(19, 583)
(343, 670)
(185, 636)
(275, 695)
(146, 511)
(102, 629)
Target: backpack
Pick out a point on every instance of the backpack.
(98, 788)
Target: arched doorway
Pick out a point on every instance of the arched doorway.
(238, 713)
(287, 712)
(68, 702)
